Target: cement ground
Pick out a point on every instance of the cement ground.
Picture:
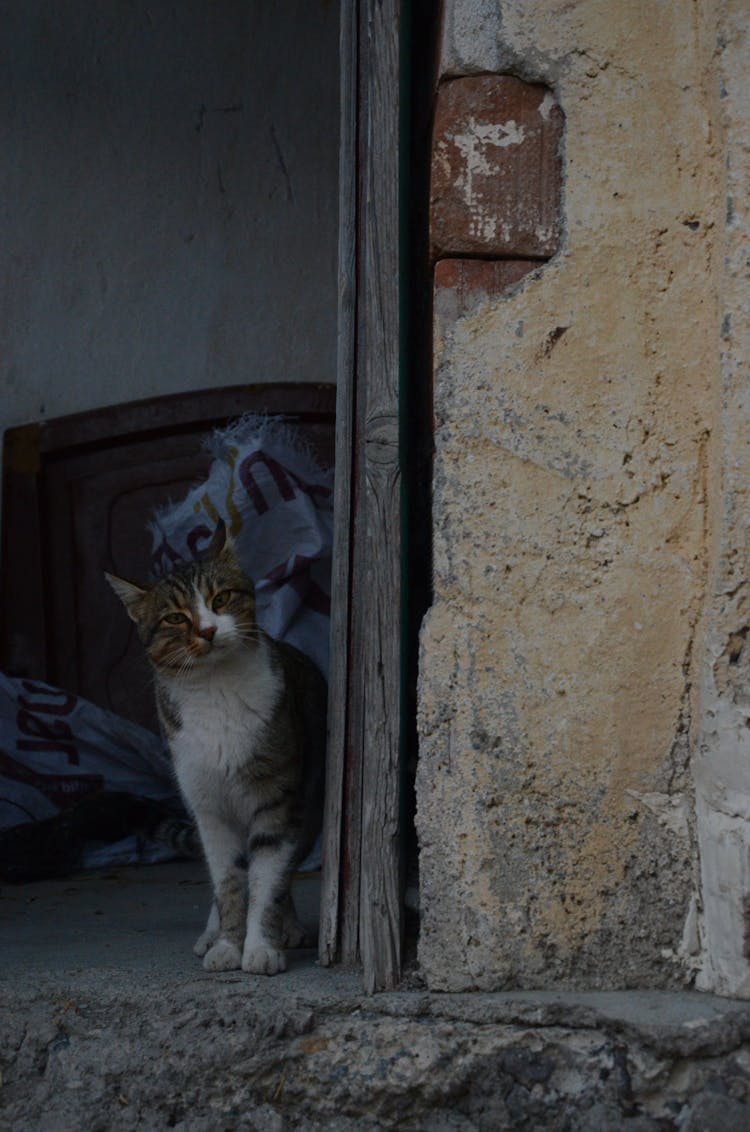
(108, 1021)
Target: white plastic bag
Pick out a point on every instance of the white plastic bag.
(277, 503)
(57, 749)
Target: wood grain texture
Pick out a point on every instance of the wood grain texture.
(338, 681)
(377, 608)
(361, 914)
(361, 893)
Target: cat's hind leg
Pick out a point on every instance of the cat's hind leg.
(268, 876)
(210, 933)
(292, 933)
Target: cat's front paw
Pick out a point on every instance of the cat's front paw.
(263, 960)
(223, 955)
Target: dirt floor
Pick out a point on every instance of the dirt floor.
(108, 1021)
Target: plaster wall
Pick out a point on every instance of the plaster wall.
(168, 199)
(577, 506)
(722, 756)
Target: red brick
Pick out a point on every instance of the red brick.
(496, 169)
(490, 276)
(459, 283)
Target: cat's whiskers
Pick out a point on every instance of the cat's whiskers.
(248, 630)
(177, 653)
(249, 642)
(186, 665)
(172, 652)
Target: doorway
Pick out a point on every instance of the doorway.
(170, 219)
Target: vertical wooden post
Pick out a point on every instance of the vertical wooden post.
(334, 858)
(376, 593)
(362, 907)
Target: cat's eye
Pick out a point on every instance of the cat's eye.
(220, 600)
(174, 618)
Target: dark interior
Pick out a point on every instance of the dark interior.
(78, 492)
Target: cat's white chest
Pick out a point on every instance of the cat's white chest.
(222, 716)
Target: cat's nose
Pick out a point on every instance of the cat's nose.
(208, 632)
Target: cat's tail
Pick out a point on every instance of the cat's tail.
(180, 835)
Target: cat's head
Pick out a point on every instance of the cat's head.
(199, 614)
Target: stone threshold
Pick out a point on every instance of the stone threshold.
(138, 1036)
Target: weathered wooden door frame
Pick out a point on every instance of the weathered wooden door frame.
(361, 905)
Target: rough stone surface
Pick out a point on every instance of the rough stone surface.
(575, 499)
(495, 184)
(308, 1051)
(107, 1021)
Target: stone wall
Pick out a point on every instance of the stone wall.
(588, 418)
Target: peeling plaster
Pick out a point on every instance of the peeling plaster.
(575, 514)
(722, 760)
(672, 810)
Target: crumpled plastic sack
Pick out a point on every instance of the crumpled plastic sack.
(57, 749)
(277, 502)
(81, 787)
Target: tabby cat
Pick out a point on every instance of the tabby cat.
(244, 716)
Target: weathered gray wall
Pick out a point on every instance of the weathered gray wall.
(168, 199)
(591, 429)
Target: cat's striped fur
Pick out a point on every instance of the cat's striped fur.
(245, 719)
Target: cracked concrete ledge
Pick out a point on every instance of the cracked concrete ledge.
(103, 1050)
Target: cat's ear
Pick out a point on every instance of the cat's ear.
(128, 592)
(220, 543)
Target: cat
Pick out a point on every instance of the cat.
(245, 719)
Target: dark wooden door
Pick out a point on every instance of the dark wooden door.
(77, 492)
